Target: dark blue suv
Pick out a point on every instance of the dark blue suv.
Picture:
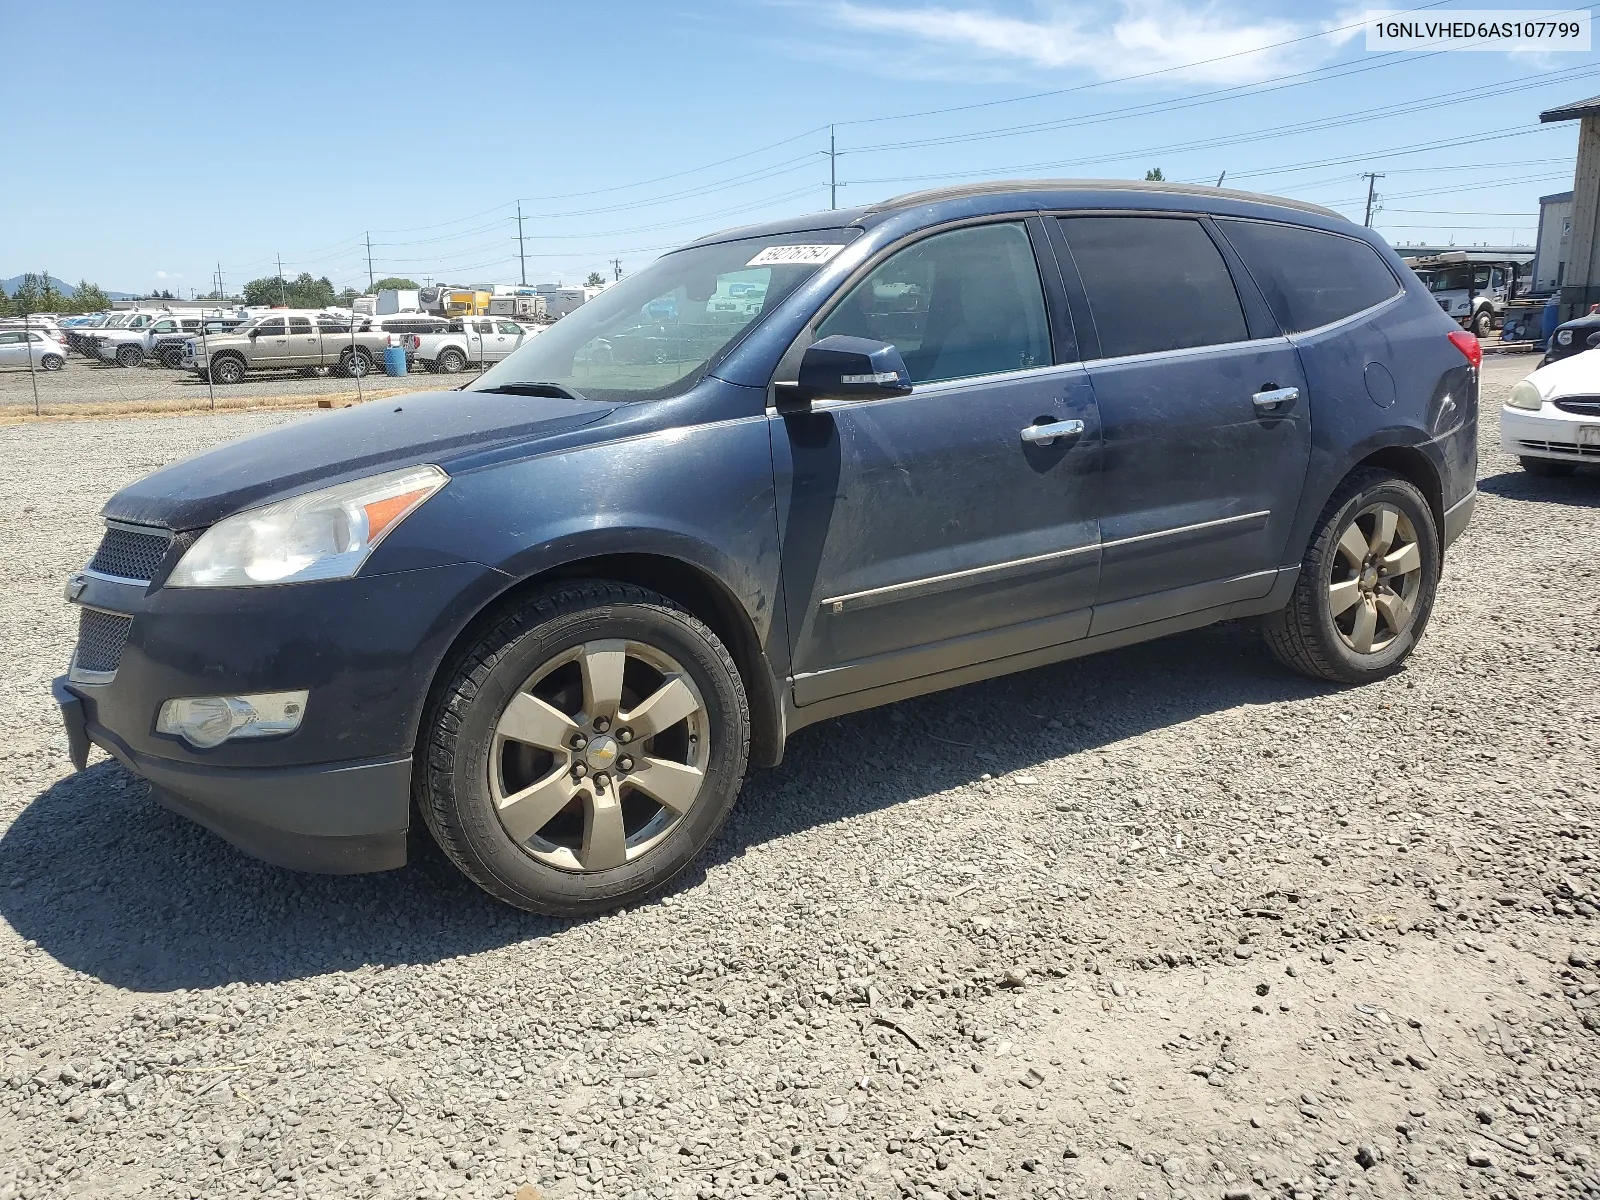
(787, 472)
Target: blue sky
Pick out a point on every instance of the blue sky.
(162, 141)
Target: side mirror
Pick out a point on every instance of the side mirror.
(850, 368)
(253, 334)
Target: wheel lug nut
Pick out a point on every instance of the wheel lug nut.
(624, 735)
(579, 770)
(624, 763)
(602, 780)
(579, 741)
(601, 724)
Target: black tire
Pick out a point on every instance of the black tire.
(451, 361)
(355, 364)
(52, 362)
(227, 369)
(1304, 635)
(1483, 322)
(455, 752)
(130, 356)
(1547, 468)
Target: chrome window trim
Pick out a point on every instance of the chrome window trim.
(936, 583)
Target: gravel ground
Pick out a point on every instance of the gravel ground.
(82, 381)
(1164, 922)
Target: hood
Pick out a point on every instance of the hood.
(400, 431)
(1575, 375)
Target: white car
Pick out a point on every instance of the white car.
(30, 347)
(1552, 420)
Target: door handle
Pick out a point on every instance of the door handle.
(1043, 435)
(1268, 399)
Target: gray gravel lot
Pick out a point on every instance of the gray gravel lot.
(1164, 922)
(83, 381)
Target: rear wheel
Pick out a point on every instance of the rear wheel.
(585, 749)
(353, 364)
(452, 361)
(227, 369)
(1547, 468)
(1366, 586)
(130, 356)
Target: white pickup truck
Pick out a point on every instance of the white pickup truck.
(469, 342)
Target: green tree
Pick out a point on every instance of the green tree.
(36, 293)
(300, 292)
(595, 279)
(393, 281)
(1154, 175)
(5, 304)
(87, 297)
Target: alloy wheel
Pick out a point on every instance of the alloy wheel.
(599, 755)
(1375, 579)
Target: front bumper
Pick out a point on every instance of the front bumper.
(332, 796)
(1528, 434)
(334, 818)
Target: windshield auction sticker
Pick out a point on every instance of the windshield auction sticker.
(774, 256)
(1479, 29)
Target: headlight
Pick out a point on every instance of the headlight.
(206, 721)
(321, 535)
(1526, 395)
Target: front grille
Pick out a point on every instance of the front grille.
(1586, 406)
(1571, 448)
(130, 555)
(101, 636)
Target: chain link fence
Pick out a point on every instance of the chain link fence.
(152, 360)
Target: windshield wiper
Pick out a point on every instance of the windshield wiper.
(534, 389)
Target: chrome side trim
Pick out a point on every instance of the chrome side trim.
(1162, 533)
(933, 584)
(77, 674)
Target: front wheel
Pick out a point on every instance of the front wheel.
(1547, 468)
(228, 370)
(584, 750)
(1366, 586)
(1483, 323)
(129, 356)
(52, 362)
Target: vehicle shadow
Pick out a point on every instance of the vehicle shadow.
(1581, 489)
(110, 884)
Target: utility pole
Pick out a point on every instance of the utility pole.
(521, 255)
(370, 277)
(833, 171)
(283, 293)
(616, 268)
(1372, 178)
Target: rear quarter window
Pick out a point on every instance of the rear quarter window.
(1310, 278)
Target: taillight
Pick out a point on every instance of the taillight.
(1468, 345)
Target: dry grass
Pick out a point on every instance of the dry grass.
(23, 414)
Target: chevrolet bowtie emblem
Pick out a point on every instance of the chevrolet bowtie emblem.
(76, 582)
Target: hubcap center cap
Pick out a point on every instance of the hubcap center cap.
(601, 752)
(1369, 577)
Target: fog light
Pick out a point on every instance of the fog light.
(206, 721)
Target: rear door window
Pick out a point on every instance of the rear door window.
(1310, 278)
(957, 304)
(1154, 283)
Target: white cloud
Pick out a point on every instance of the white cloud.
(167, 275)
(1112, 38)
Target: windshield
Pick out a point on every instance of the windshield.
(656, 333)
(1454, 279)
